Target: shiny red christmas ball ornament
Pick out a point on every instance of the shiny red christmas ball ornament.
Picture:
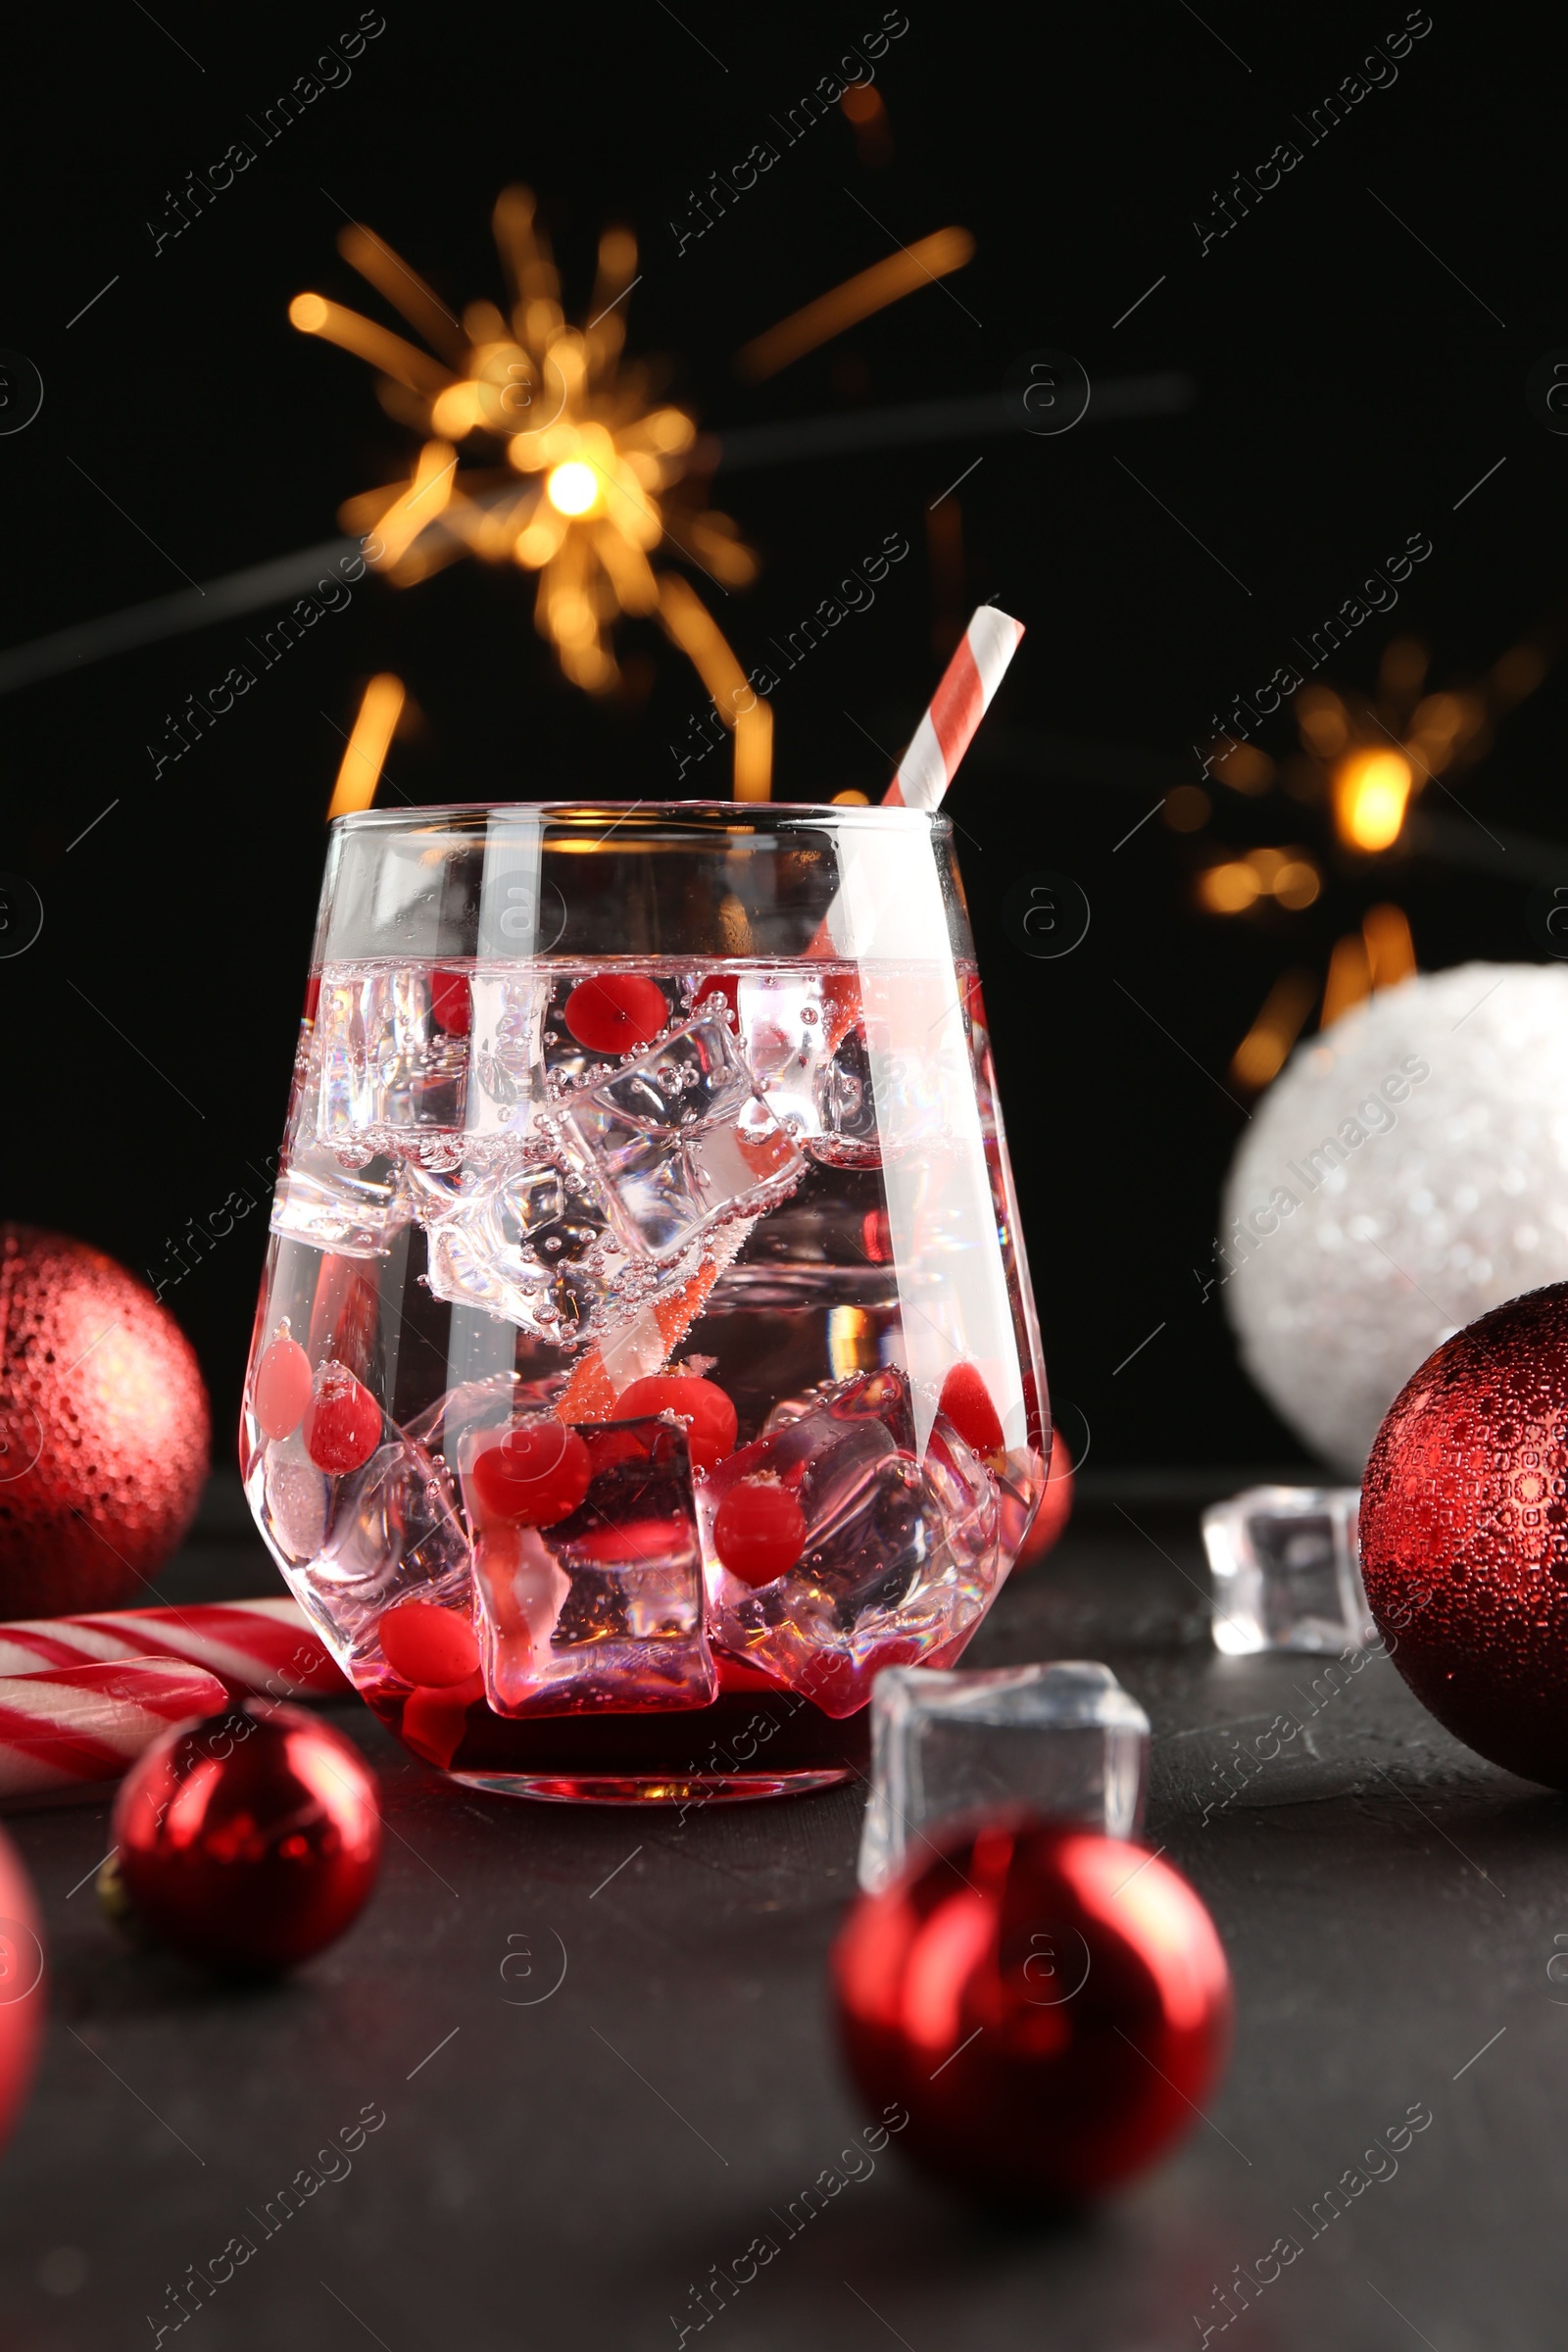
(22, 1985)
(1041, 2001)
(1056, 1506)
(104, 1428)
(1464, 1535)
(249, 1839)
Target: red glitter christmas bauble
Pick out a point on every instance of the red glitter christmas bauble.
(104, 1428)
(1464, 1535)
(22, 1985)
(249, 1839)
(1041, 2001)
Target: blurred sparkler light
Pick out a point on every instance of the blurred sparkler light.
(588, 489)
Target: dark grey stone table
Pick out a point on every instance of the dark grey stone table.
(600, 2044)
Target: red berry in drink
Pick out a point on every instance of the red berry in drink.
(451, 1002)
(428, 1644)
(281, 1389)
(967, 1401)
(759, 1531)
(534, 1475)
(719, 993)
(343, 1423)
(615, 1013)
(703, 1403)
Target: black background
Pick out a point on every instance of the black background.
(1349, 391)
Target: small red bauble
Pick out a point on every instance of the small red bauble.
(967, 1401)
(22, 1985)
(1464, 1535)
(1042, 2002)
(249, 1839)
(280, 1388)
(712, 1415)
(535, 1475)
(1055, 1505)
(104, 1428)
(451, 1002)
(617, 1013)
(758, 1530)
(428, 1644)
(342, 1423)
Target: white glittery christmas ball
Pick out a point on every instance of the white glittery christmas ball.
(1407, 1170)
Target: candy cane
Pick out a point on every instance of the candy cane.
(267, 1645)
(80, 1725)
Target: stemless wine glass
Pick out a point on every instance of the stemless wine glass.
(645, 1355)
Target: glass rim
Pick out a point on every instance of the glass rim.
(701, 816)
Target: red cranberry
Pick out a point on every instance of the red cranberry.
(451, 1002)
(343, 1425)
(967, 1401)
(534, 1476)
(704, 1402)
(615, 1013)
(759, 1531)
(428, 1644)
(281, 1389)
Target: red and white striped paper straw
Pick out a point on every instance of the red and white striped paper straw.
(79, 1727)
(266, 1646)
(957, 707)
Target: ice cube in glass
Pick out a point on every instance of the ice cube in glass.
(1286, 1563)
(602, 1612)
(1063, 1738)
(900, 1552)
(682, 1138)
(346, 1198)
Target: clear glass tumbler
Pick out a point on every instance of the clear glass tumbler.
(645, 1355)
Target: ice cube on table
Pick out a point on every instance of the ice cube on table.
(681, 1140)
(1285, 1564)
(525, 1242)
(352, 1546)
(900, 1552)
(351, 1206)
(1065, 1740)
(602, 1612)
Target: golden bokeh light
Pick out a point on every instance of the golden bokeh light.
(1188, 807)
(590, 487)
(1298, 885)
(1229, 889)
(1289, 876)
(903, 272)
(380, 709)
(1350, 980)
(572, 488)
(1371, 794)
(1390, 947)
(1261, 1053)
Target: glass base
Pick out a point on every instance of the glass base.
(753, 1739)
(651, 1788)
